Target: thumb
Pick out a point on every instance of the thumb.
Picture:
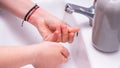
(54, 36)
(75, 29)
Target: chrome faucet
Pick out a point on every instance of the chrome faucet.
(89, 12)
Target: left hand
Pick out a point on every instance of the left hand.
(53, 29)
(49, 55)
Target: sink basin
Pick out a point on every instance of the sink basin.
(29, 35)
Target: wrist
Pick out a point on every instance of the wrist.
(37, 17)
(30, 54)
(35, 53)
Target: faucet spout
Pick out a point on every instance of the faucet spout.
(89, 12)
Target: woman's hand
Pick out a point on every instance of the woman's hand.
(49, 55)
(44, 55)
(51, 28)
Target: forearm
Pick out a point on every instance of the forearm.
(17, 7)
(20, 9)
(16, 56)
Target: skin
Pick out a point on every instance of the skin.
(43, 55)
(49, 26)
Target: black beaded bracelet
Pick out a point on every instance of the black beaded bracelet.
(28, 13)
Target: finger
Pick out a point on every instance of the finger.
(63, 59)
(64, 52)
(75, 29)
(45, 32)
(57, 66)
(64, 33)
(54, 36)
(36, 66)
(59, 33)
(71, 37)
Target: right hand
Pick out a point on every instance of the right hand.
(51, 28)
(49, 55)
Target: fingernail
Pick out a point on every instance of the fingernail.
(77, 34)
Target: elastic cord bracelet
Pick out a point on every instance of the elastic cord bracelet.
(29, 13)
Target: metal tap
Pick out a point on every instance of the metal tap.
(89, 12)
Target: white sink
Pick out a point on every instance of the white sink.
(11, 32)
(97, 59)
